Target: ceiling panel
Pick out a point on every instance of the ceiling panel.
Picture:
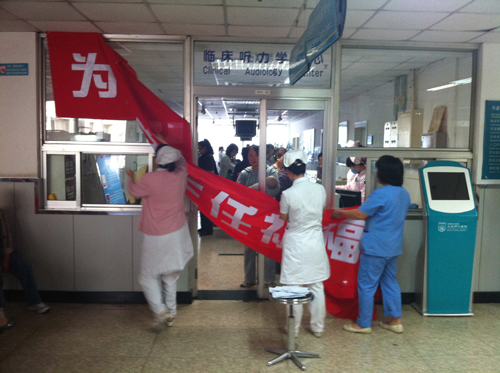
(6, 15)
(184, 2)
(426, 5)
(16, 26)
(115, 12)
(100, 1)
(490, 37)
(378, 34)
(130, 28)
(304, 17)
(296, 32)
(373, 65)
(267, 3)
(261, 16)
(468, 22)
(187, 14)
(270, 32)
(62, 26)
(447, 36)
(356, 18)
(42, 11)
(404, 20)
(482, 6)
(216, 30)
(365, 4)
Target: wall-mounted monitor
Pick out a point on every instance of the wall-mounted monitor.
(246, 129)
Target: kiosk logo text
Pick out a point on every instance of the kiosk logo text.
(451, 227)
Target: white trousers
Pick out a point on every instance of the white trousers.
(160, 292)
(317, 308)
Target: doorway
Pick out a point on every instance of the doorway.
(284, 124)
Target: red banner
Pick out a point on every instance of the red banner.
(90, 80)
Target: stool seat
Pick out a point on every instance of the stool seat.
(291, 352)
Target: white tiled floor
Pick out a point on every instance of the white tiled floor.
(230, 336)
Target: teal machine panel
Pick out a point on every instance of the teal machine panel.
(447, 258)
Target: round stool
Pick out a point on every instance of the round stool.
(291, 352)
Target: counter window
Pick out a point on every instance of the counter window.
(104, 180)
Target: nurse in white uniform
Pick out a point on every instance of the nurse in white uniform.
(305, 261)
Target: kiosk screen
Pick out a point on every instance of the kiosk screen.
(448, 186)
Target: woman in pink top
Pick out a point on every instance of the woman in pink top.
(167, 245)
(356, 177)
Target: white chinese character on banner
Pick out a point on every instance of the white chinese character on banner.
(236, 219)
(190, 184)
(88, 66)
(345, 245)
(270, 232)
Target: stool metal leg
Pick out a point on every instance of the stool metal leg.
(291, 330)
(291, 353)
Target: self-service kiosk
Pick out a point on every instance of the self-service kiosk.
(447, 256)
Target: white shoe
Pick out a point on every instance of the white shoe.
(393, 328)
(161, 321)
(39, 308)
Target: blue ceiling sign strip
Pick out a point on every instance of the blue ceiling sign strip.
(324, 28)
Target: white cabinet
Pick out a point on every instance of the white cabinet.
(406, 132)
(410, 124)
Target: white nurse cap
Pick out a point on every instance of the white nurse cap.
(293, 155)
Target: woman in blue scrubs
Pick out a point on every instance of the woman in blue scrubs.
(381, 244)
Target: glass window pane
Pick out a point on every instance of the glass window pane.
(104, 180)
(159, 66)
(61, 177)
(390, 98)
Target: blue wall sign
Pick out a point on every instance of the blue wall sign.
(12, 69)
(324, 28)
(491, 143)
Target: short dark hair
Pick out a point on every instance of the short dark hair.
(297, 168)
(320, 155)
(221, 148)
(269, 147)
(255, 148)
(230, 149)
(279, 152)
(390, 170)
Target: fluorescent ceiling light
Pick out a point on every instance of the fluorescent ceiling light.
(451, 84)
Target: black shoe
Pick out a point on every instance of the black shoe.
(11, 321)
(203, 233)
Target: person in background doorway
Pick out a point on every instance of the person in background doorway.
(250, 178)
(381, 244)
(228, 162)
(270, 154)
(285, 182)
(13, 262)
(206, 162)
(240, 166)
(305, 261)
(320, 167)
(221, 154)
(166, 246)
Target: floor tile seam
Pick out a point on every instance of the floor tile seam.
(23, 340)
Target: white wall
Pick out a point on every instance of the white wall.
(456, 122)
(375, 106)
(19, 107)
